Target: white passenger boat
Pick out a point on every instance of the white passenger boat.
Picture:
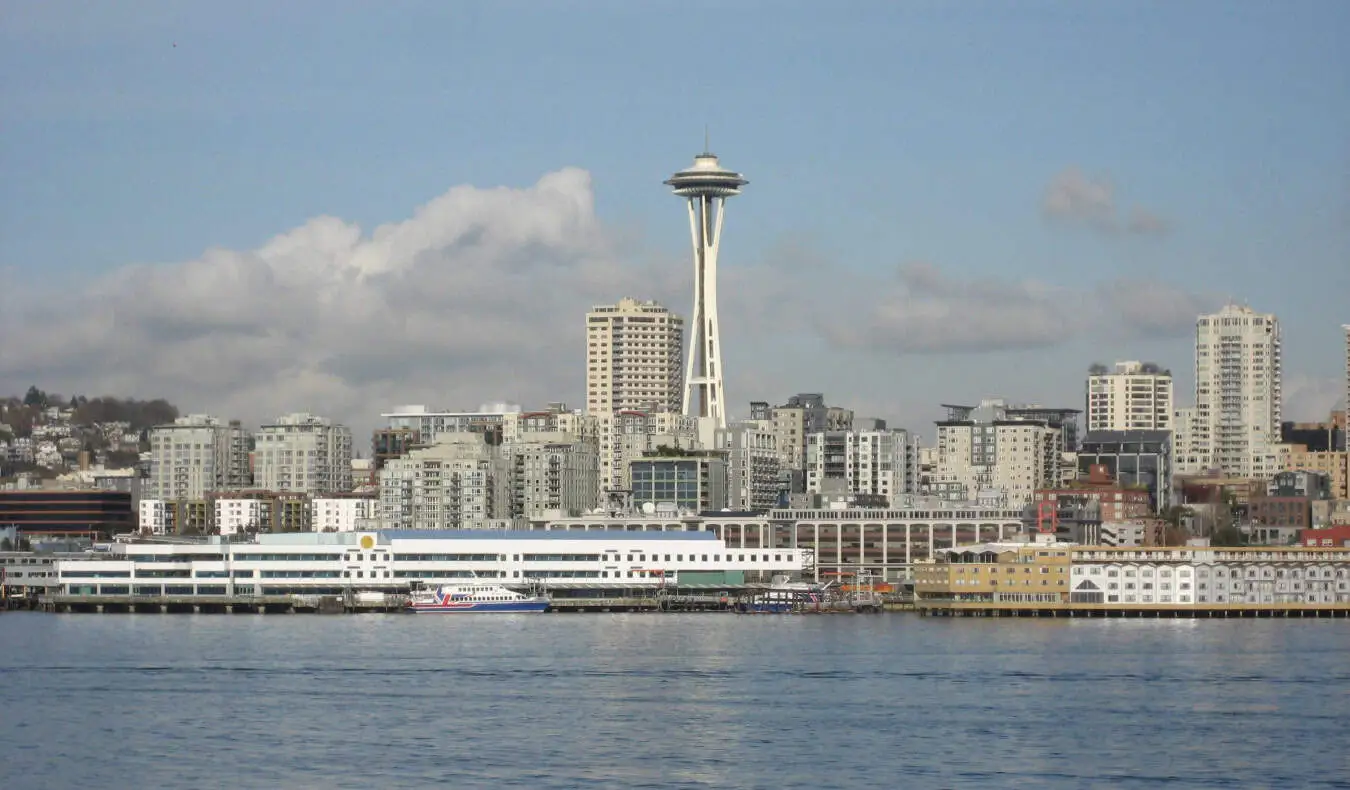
(473, 597)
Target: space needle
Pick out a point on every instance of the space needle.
(706, 186)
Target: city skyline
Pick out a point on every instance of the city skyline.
(954, 265)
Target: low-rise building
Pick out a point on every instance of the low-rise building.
(392, 561)
(1103, 578)
(342, 514)
(690, 481)
(1011, 572)
(66, 513)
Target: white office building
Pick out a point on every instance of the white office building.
(984, 455)
(391, 561)
(301, 453)
(235, 516)
(342, 514)
(1238, 389)
(430, 423)
(1132, 396)
(872, 461)
(194, 455)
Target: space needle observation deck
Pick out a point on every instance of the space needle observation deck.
(705, 186)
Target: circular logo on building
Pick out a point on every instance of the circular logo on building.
(367, 542)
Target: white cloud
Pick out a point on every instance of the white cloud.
(1074, 197)
(927, 311)
(480, 295)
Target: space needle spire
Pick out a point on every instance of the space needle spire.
(706, 186)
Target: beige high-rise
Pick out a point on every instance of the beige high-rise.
(633, 354)
(1133, 396)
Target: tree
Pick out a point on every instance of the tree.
(6, 545)
(1176, 515)
(35, 397)
(1227, 536)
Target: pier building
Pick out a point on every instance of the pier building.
(393, 561)
(1056, 577)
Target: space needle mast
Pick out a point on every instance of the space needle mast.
(706, 186)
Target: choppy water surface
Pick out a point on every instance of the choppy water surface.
(635, 701)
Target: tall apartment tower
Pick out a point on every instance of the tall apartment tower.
(633, 354)
(1132, 396)
(1238, 391)
(301, 453)
(194, 455)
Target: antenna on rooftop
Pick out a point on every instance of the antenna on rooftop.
(706, 148)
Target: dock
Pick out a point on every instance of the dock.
(624, 601)
(940, 608)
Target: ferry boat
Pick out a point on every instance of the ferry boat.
(473, 597)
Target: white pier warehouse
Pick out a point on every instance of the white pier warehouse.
(392, 561)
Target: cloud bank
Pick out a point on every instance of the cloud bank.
(480, 295)
(927, 311)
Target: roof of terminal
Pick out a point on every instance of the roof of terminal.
(492, 534)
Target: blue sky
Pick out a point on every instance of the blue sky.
(873, 134)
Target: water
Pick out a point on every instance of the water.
(669, 701)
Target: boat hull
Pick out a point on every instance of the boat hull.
(481, 607)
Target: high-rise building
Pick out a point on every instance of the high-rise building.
(460, 482)
(553, 475)
(1132, 458)
(633, 352)
(986, 454)
(1134, 396)
(632, 358)
(302, 453)
(803, 414)
(754, 467)
(1238, 390)
(632, 433)
(195, 455)
(706, 186)
(867, 460)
